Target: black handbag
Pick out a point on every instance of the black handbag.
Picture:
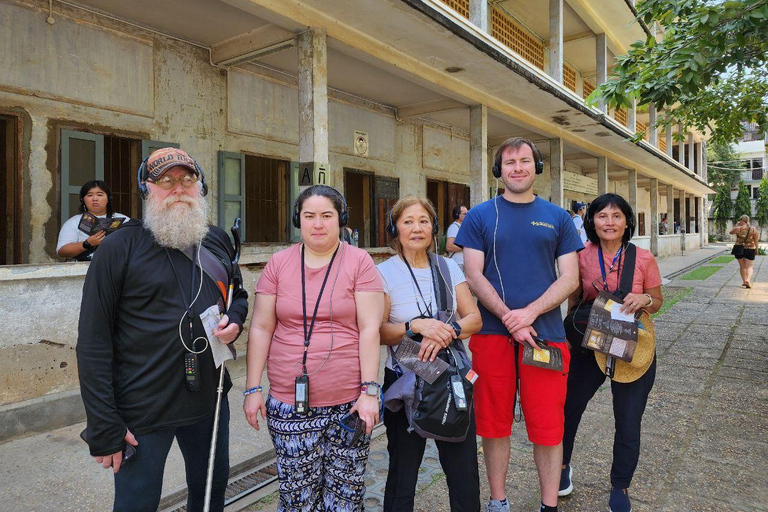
(738, 250)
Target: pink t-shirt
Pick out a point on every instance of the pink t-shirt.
(646, 276)
(338, 381)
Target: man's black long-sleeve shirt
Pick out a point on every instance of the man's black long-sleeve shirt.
(130, 357)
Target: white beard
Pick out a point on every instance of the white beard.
(177, 227)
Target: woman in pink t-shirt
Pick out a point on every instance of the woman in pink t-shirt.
(609, 224)
(315, 326)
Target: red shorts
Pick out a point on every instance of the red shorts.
(542, 391)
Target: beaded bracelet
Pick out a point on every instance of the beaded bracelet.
(255, 389)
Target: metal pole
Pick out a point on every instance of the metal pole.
(220, 389)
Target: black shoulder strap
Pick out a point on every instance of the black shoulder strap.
(442, 276)
(628, 271)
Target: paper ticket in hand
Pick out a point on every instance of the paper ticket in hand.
(220, 351)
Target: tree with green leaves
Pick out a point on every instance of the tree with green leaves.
(743, 205)
(723, 165)
(722, 208)
(762, 205)
(707, 69)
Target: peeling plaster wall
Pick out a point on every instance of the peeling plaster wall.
(169, 92)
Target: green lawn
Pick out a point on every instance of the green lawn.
(701, 273)
(672, 295)
(722, 259)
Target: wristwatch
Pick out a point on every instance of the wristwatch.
(457, 328)
(87, 246)
(370, 388)
(408, 330)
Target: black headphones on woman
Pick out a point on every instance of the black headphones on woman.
(392, 227)
(343, 215)
(538, 159)
(141, 178)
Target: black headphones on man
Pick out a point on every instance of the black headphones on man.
(539, 160)
(343, 215)
(392, 227)
(141, 177)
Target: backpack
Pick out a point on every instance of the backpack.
(432, 410)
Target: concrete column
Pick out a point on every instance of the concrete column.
(699, 159)
(602, 175)
(632, 188)
(313, 96)
(556, 168)
(691, 153)
(681, 146)
(670, 209)
(480, 15)
(601, 48)
(653, 133)
(655, 216)
(669, 141)
(556, 40)
(704, 173)
(632, 117)
(478, 154)
(683, 212)
(703, 227)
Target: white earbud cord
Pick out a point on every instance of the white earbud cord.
(181, 320)
(495, 229)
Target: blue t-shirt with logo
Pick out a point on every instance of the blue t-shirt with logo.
(529, 238)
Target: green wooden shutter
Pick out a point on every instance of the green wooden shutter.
(82, 160)
(232, 191)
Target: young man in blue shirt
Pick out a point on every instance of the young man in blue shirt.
(514, 246)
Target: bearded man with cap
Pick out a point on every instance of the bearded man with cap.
(140, 329)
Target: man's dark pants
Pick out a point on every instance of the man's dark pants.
(139, 482)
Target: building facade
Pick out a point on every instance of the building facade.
(379, 98)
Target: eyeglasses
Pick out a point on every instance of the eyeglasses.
(167, 182)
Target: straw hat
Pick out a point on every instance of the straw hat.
(643, 357)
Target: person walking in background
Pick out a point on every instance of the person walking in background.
(75, 244)
(414, 267)
(745, 248)
(140, 324)
(610, 226)
(514, 247)
(579, 209)
(455, 252)
(315, 326)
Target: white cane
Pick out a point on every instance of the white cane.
(220, 389)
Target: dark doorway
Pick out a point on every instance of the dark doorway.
(358, 191)
(641, 224)
(10, 191)
(266, 199)
(445, 195)
(121, 159)
(386, 193)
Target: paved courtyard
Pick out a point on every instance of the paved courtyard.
(705, 431)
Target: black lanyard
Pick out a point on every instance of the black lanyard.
(308, 332)
(187, 305)
(616, 258)
(434, 286)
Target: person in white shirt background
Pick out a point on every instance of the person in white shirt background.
(73, 244)
(455, 252)
(579, 209)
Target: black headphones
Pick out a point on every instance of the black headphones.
(589, 224)
(141, 178)
(392, 227)
(343, 215)
(536, 156)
